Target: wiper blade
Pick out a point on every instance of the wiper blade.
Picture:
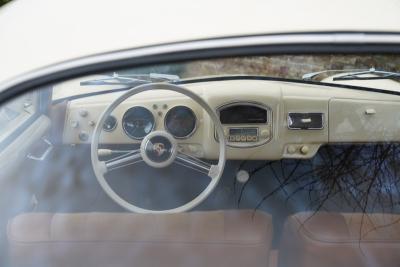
(310, 76)
(356, 76)
(132, 79)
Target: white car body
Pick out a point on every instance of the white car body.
(38, 34)
(265, 125)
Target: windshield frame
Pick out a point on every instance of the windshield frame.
(270, 44)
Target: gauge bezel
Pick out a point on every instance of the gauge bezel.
(112, 129)
(123, 125)
(195, 122)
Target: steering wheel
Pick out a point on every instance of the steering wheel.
(158, 149)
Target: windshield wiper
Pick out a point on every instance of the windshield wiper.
(131, 79)
(380, 75)
(354, 74)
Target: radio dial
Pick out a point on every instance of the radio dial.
(265, 133)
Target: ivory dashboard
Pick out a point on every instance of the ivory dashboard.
(261, 119)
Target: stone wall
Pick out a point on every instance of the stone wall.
(288, 66)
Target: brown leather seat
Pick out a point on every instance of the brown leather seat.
(340, 239)
(218, 238)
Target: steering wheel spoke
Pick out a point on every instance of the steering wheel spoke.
(124, 160)
(196, 164)
(158, 149)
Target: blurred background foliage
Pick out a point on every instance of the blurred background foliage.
(2, 2)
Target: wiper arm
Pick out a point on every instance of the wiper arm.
(356, 75)
(132, 79)
(310, 76)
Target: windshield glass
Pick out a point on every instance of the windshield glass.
(151, 166)
(277, 66)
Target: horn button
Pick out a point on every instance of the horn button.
(158, 149)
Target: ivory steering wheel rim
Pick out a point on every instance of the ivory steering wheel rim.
(100, 168)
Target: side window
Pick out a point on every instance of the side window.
(15, 113)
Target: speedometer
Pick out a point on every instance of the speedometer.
(137, 122)
(180, 121)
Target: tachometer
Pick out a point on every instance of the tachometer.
(137, 122)
(180, 121)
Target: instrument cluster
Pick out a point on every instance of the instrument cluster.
(180, 121)
(138, 121)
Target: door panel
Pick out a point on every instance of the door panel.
(23, 127)
(21, 147)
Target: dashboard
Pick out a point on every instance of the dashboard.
(261, 119)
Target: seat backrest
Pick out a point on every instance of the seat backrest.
(324, 239)
(218, 238)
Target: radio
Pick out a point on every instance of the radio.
(246, 124)
(244, 135)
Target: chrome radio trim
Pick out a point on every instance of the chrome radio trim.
(240, 128)
(269, 124)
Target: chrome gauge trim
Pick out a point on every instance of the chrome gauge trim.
(123, 119)
(195, 124)
(115, 125)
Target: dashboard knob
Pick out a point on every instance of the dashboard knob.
(242, 176)
(83, 136)
(265, 133)
(304, 150)
(226, 132)
(83, 113)
(291, 149)
(74, 124)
